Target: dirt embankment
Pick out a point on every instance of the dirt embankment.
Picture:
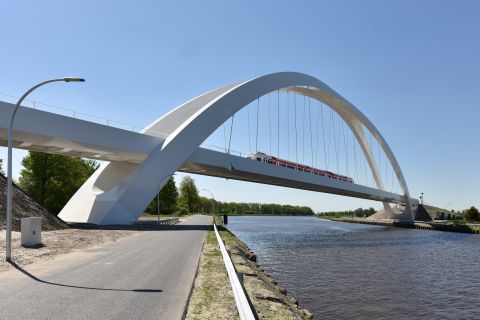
(23, 207)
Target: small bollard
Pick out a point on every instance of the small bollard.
(240, 277)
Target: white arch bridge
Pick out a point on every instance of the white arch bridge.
(120, 190)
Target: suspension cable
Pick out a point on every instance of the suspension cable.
(323, 137)
(379, 163)
(225, 137)
(335, 141)
(269, 123)
(231, 129)
(248, 127)
(288, 125)
(391, 171)
(296, 131)
(310, 122)
(339, 142)
(316, 147)
(303, 130)
(386, 171)
(329, 136)
(256, 135)
(373, 155)
(345, 140)
(278, 124)
(355, 155)
(364, 159)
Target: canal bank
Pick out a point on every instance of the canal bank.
(435, 226)
(212, 296)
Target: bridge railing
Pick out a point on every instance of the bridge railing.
(69, 112)
(241, 300)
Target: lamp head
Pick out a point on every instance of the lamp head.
(73, 79)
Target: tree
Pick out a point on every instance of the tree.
(168, 199)
(53, 179)
(188, 194)
(472, 214)
(1, 169)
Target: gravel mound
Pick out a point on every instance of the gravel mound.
(23, 207)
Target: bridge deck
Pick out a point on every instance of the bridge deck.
(42, 131)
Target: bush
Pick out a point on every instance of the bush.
(472, 214)
(181, 211)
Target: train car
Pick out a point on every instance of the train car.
(262, 157)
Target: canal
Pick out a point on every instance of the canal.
(352, 271)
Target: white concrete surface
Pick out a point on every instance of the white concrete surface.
(120, 190)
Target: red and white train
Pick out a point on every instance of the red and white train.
(260, 156)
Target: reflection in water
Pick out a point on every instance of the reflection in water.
(344, 271)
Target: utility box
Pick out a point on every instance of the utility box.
(31, 231)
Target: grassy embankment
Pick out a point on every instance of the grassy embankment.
(212, 297)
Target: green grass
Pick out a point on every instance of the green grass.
(433, 208)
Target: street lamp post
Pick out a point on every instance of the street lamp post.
(9, 167)
(158, 196)
(213, 204)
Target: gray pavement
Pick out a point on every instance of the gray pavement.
(144, 277)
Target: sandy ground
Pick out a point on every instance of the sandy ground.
(58, 242)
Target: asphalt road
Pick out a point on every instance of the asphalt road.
(144, 277)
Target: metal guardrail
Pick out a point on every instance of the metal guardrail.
(241, 300)
(162, 222)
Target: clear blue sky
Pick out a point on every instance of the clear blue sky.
(411, 66)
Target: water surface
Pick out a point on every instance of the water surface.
(353, 271)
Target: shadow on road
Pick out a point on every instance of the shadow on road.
(146, 227)
(25, 272)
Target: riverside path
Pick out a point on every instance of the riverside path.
(148, 276)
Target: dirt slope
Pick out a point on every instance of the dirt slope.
(23, 207)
